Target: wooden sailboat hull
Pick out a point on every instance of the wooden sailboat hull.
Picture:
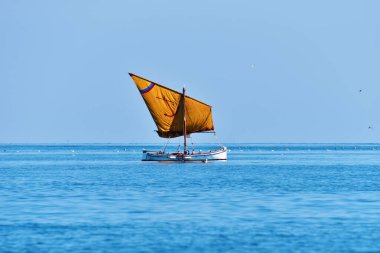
(220, 154)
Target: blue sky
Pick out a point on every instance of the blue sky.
(64, 68)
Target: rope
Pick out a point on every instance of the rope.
(217, 140)
(179, 145)
(192, 144)
(166, 145)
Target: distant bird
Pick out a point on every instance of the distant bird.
(360, 91)
(370, 128)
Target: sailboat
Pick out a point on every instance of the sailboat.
(176, 115)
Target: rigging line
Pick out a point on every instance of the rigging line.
(192, 144)
(217, 140)
(166, 145)
(179, 145)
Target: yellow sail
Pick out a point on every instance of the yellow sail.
(166, 107)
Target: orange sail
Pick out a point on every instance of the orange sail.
(166, 107)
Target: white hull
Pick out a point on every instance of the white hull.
(220, 154)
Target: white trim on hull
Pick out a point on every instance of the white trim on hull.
(220, 154)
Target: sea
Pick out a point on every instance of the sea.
(265, 198)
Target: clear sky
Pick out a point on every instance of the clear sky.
(274, 71)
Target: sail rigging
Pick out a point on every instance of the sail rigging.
(167, 108)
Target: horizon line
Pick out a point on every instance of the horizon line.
(159, 143)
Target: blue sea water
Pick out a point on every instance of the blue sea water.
(265, 198)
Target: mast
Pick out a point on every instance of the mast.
(184, 122)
